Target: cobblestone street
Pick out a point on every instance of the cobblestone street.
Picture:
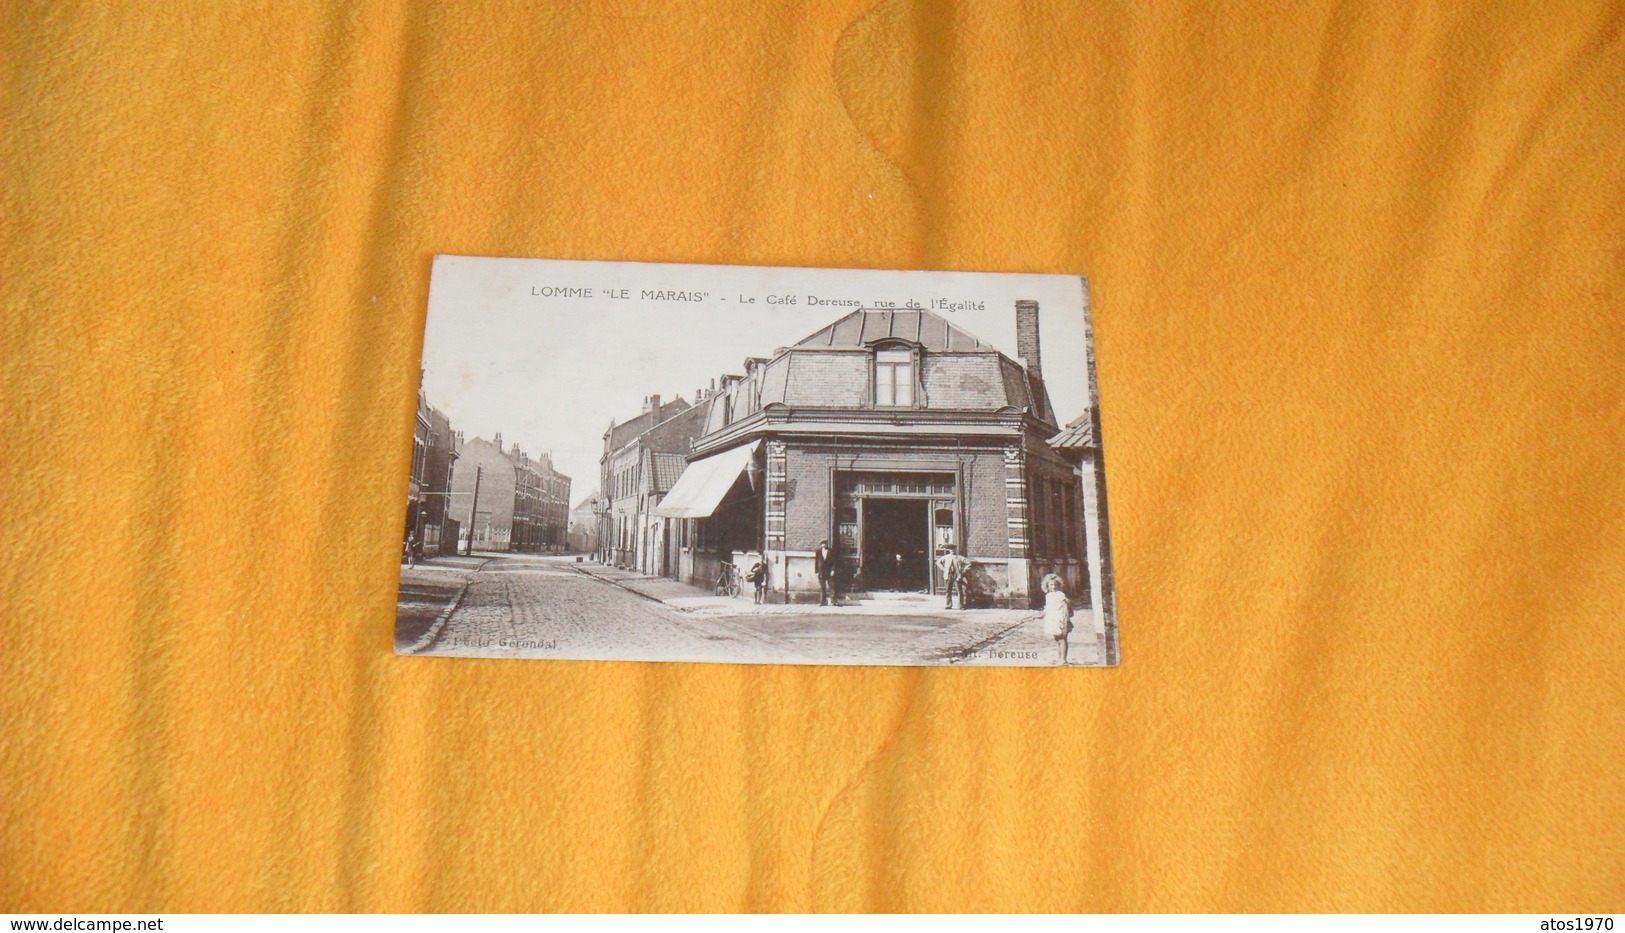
(547, 606)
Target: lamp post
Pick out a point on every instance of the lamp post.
(601, 516)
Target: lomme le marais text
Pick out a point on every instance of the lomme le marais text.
(811, 301)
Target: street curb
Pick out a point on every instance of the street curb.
(963, 654)
(439, 623)
(701, 612)
(440, 620)
(612, 582)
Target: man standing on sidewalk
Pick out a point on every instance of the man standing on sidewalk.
(824, 567)
(954, 569)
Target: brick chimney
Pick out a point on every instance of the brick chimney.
(1027, 337)
(496, 441)
(652, 403)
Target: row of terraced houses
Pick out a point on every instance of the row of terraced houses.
(476, 494)
(890, 434)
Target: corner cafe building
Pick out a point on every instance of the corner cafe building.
(887, 433)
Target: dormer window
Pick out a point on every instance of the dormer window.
(894, 378)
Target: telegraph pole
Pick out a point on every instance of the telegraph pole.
(473, 507)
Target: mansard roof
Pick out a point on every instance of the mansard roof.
(861, 329)
(832, 369)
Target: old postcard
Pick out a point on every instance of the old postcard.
(638, 461)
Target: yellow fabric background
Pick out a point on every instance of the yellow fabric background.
(1357, 283)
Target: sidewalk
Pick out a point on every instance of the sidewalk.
(449, 562)
(693, 599)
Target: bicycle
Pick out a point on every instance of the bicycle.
(728, 581)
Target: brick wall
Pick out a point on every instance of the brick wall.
(986, 529)
(496, 483)
(970, 380)
(828, 379)
(807, 505)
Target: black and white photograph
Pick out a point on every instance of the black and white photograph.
(757, 465)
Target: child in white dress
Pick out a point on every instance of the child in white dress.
(1057, 615)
